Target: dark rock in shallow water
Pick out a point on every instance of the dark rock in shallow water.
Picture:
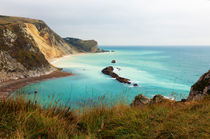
(123, 80)
(113, 61)
(201, 88)
(109, 71)
(135, 84)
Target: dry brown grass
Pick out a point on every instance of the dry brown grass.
(20, 118)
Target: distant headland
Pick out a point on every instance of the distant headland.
(27, 45)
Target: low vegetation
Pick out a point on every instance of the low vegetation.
(23, 118)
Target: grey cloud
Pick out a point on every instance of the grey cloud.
(121, 22)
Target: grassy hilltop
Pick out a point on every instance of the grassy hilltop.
(24, 119)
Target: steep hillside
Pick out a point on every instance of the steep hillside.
(20, 56)
(26, 46)
(83, 45)
(49, 43)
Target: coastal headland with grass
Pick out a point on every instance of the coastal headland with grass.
(54, 87)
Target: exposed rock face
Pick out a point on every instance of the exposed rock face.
(141, 100)
(20, 56)
(83, 45)
(26, 45)
(201, 88)
(159, 99)
(109, 71)
(48, 42)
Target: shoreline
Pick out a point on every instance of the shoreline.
(11, 86)
(51, 61)
(55, 59)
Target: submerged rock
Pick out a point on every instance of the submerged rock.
(201, 88)
(135, 84)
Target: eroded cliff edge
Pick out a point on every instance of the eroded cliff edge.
(26, 46)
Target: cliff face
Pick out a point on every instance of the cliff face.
(20, 56)
(201, 88)
(48, 42)
(26, 45)
(83, 45)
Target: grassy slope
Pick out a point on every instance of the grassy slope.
(22, 118)
(82, 45)
(4, 20)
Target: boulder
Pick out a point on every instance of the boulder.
(135, 84)
(201, 88)
(140, 100)
(113, 61)
(159, 99)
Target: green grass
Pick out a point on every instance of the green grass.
(5, 20)
(21, 118)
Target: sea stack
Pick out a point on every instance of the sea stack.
(109, 71)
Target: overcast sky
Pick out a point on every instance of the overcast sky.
(121, 22)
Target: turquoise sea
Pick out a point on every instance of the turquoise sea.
(169, 71)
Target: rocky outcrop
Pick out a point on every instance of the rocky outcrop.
(83, 45)
(20, 56)
(48, 42)
(110, 71)
(141, 100)
(26, 46)
(201, 88)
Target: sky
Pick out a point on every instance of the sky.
(121, 22)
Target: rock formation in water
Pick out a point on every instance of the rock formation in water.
(110, 71)
(113, 61)
(26, 45)
(201, 88)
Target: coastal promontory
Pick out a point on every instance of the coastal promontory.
(27, 45)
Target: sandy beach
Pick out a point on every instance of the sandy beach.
(7, 88)
(55, 59)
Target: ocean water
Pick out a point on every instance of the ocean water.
(169, 71)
